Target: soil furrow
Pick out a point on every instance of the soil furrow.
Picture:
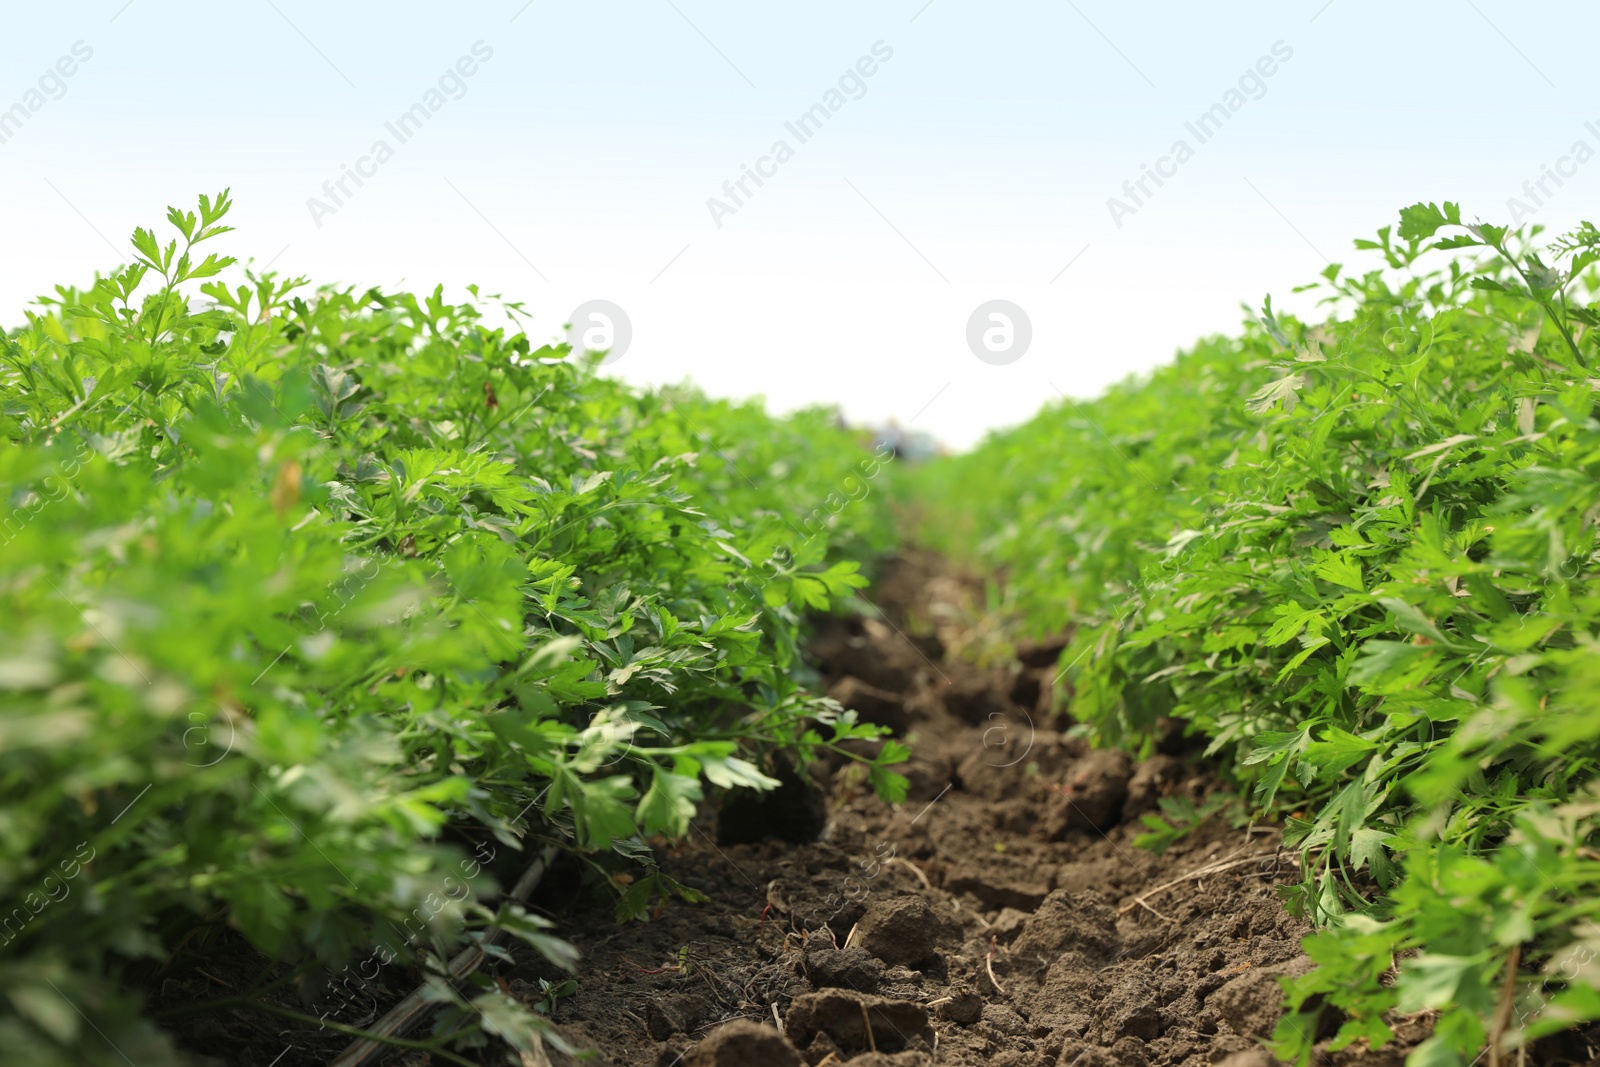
(1002, 915)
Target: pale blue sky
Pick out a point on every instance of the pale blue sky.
(976, 166)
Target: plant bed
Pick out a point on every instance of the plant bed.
(1355, 556)
(309, 595)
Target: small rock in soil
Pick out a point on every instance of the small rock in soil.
(850, 968)
(898, 1059)
(743, 1043)
(843, 1015)
(1063, 922)
(899, 930)
(872, 704)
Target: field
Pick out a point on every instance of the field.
(376, 676)
(1357, 558)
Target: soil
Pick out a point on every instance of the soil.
(1000, 916)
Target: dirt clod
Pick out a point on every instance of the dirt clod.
(849, 968)
(743, 1044)
(1083, 923)
(1149, 779)
(1251, 1002)
(666, 1016)
(844, 646)
(1093, 794)
(844, 1016)
(821, 1048)
(965, 1006)
(1014, 759)
(974, 699)
(1141, 1020)
(899, 930)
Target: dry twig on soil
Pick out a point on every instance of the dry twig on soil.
(916, 871)
(988, 965)
(1210, 868)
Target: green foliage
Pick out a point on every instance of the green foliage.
(1179, 817)
(552, 992)
(302, 589)
(1360, 558)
